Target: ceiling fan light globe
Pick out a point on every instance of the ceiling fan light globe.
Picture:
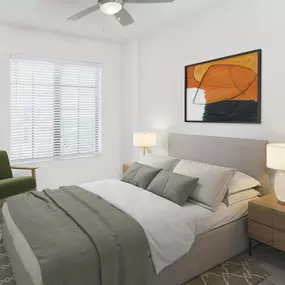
(111, 8)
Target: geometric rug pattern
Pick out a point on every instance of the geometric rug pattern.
(6, 274)
(232, 272)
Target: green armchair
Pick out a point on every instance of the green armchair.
(9, 185)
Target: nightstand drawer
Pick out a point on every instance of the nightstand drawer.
(267, 222)
(260, 232)
(279, 221)
(279, 240)
(261, 214)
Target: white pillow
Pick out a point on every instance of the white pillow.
(195, 168)
(159, 161)
(240, 182)
(213, 181)
(241, 196)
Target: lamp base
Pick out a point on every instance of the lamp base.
(279, 186)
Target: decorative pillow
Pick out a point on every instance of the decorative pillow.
(213, 181)
(172, 186)
(140, 175)
(240, 196)
(241, 181)
(159, 161)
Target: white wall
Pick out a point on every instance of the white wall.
(151, 95)
(229, 27)
(66, 172)
(130, 98)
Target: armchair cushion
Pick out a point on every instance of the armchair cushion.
(17, 185)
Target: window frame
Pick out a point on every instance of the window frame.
(60, 157)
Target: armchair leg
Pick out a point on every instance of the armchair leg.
(34, 174)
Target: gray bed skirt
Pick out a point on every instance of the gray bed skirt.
(209, 249)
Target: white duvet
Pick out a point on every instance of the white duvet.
(170, 234)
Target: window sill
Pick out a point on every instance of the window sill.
(56, 158)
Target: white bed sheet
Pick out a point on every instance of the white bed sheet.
(156, 215)
(206, 220)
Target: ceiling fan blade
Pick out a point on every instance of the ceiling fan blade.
(148, 1)
(124, 17)
(84, 13)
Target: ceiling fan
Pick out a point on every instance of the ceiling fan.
(115, 7)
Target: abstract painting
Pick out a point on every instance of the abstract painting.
(224, 90)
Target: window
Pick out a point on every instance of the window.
(55, 109)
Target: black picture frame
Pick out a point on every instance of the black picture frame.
(259, 86)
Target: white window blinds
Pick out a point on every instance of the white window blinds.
(55, 109)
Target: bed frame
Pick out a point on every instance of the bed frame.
(210, 248)
(216, 246)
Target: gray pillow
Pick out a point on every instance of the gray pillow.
(172, 186)
(140, 175)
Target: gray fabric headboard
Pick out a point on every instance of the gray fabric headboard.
(247, 155)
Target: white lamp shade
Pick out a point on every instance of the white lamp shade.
(276, 156)
(144, 139)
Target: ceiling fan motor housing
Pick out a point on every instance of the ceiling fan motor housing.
(101, 2)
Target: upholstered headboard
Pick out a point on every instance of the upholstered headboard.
(247, 155)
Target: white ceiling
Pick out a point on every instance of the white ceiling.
(51, 15)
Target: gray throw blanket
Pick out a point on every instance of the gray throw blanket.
(80, 239)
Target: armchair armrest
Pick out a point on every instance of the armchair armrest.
(25, 167)
(14, 186)
(33, 168)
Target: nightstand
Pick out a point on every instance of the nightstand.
(266, 222)
(126, 166)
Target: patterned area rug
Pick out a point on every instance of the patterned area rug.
(231, 272)
(6, 274)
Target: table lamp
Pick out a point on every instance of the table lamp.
(144, 140)
(276, 160)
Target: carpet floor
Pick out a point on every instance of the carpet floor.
(6, 274)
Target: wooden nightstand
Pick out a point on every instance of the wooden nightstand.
(266, 222)
(126, 166)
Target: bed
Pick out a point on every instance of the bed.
(219, 236)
